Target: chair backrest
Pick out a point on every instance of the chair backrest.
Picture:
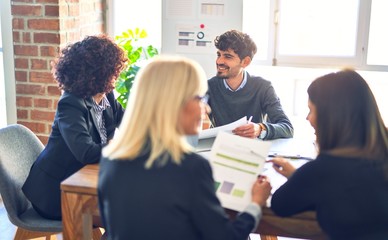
(19, 148)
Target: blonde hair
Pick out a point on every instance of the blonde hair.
(160, 90)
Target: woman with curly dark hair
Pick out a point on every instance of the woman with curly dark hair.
(86, 118)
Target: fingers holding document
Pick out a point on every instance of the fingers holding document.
(249, 130)
(261, 190)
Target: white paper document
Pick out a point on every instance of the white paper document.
(212, 132)
(236, 162)
(293, 148)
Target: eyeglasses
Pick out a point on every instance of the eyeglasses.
(204, 99)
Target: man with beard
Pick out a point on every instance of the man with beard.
(233, 93)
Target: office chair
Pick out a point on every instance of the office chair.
(19, 147)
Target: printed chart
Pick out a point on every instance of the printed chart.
(236, 162)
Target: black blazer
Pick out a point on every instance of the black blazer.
(73, 143)
(174, 202)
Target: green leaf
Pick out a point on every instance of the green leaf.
(137, 31)
(143, 34)
(151, 51)
(131, 42)
(131, 35)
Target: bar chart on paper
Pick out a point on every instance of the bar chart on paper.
(229, 188)
(236, 163)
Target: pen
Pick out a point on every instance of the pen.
(250, 119)
(295, 157)
(274, 164)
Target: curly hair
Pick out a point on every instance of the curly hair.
(240, 43)
(87, 67)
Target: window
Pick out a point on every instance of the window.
(302, 33)
(256, 22)
(338, 33)
(7, 74)
(144, 14)
(315, 29)
(377, 41)
(3, 117)
(321, 33)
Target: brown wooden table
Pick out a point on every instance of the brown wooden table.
(80, 206)
(79, 203)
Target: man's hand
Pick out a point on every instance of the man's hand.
(250, 130)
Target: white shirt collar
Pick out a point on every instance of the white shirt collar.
(243, 83)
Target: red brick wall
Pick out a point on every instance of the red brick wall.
(40, 29)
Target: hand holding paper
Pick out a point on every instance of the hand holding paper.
(249, 130)
(212, 132)
(236, 162)
(261, 190)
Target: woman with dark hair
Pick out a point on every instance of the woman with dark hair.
(347, 185)
(86, 118)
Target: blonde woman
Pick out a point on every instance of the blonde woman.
(151, 183)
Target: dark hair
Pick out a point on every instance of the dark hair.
(239, 42)
(348, 115)
(86, 68)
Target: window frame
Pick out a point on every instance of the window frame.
(8, 63)
(358, 61)
(272, 56)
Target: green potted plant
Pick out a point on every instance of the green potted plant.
(131, 42)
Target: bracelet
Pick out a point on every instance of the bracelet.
(263, 132)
